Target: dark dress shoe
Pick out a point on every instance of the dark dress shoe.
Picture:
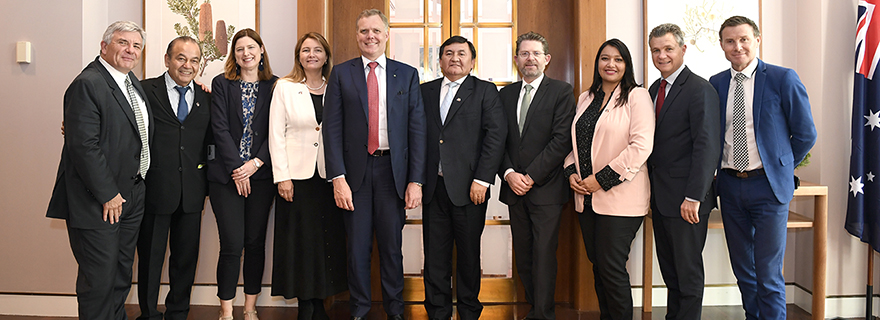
(396, 317)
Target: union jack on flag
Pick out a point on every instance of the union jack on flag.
(863, 200)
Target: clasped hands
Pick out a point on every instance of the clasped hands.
(583, 186)
(242, 176)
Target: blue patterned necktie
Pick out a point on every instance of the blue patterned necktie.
(738, 123)
(447, 101)
(182, 107)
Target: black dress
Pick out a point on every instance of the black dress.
(309, 256)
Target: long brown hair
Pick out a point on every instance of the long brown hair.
(231, 69)
(298, 73)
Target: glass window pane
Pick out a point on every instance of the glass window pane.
(406, 11)
(435, 10)
(495, 11)
(406, 45)
(468, 33)
(496, 254)
(434, 41)
(495, 54)
(467, 11)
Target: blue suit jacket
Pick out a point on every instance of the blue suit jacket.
(345, 123)
(784, 128)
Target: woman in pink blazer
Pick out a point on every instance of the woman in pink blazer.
(612, 137)
(309, 255)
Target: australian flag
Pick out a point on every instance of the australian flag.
(863, 198)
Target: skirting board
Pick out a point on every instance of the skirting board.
(65, 306)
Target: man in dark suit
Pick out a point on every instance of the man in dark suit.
(177, 184)
(466, 132)
(99, 189)
(768, 130)
(681, 168)
(539, 112)
(374, 135)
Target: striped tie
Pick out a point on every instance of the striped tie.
(142, 129)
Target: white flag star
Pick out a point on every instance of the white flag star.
(873, 120)
(855, 186)
(870, 176)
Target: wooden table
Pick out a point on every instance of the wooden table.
(819, 224)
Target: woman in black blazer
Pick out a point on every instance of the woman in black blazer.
(240, 173)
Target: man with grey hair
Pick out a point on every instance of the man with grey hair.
(682, 166)
(99, 187)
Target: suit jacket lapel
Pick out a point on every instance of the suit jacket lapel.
(117, 93)
(760, 79)
(467, 88)
(535, 103)
(360, 84)
(432, 102)
(673, 93)
(161, 95)
(510, 101)
(724, 82)
(263, 93)
(391, 85)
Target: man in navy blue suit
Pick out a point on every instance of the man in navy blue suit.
(374, 135)
(768, 130)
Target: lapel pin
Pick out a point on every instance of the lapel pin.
(197, 104)
(458, 99)
(394, 76)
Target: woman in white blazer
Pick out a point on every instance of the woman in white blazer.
(612, 137)
(309, 256)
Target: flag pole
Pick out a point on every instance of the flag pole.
(869, 294)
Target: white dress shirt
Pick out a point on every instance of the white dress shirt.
(383, 102)
(751, 142)
(174, 95)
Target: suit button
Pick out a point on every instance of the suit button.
(316, 144)
(181, 147)
(256, 133)
(180, 169)
(441, 141)
(317, 128)
(182, 128)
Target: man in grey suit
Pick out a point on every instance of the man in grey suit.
(99, 187)
(682, 166)
(466, 133)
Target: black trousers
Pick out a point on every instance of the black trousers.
(680, 254)
(535, 231)
(446, 224)
(241, 224)
(607, 240)
(105, 258)
(184, 229)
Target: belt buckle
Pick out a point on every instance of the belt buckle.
(742, 175)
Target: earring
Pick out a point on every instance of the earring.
(261, 62)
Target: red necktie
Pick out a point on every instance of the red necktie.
(661, 95)
(373, 112)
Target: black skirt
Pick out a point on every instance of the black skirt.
(309, 255)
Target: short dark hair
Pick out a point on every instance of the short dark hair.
(459, 39)
(668, 28)
(182, 39)
(627, 83)
(739, 20)
(533, 36)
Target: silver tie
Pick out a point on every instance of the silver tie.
(524, 107)
(142, 129)
(447, 101)
(740, 147)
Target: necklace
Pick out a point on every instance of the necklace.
(323, 82)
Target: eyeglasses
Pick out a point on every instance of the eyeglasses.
(526, 54)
